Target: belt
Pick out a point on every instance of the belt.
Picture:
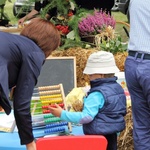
(139, 55)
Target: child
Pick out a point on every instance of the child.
(105, 105)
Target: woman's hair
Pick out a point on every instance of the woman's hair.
(43, 33)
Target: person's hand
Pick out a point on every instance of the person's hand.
(21, 21)
(56, 111)
(1, 109)
(31, 146)
(27, 17)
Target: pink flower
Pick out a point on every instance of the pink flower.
(95, 23)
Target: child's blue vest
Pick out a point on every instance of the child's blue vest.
(110, 119)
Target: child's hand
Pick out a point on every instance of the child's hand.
(56, 111)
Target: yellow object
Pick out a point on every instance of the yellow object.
(53, 101)
(50, 96)
(73, 96)
(20, 26)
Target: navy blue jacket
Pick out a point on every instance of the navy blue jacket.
(110, 118)
(20, 64)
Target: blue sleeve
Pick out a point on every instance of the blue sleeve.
(92, 104)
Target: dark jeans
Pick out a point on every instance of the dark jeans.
(137, 73)
(112, 141)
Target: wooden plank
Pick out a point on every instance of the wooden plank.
(10, 29)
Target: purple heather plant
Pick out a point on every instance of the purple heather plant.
(95, 23)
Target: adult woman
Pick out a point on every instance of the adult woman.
(21, 59)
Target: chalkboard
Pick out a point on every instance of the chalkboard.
(59, 70)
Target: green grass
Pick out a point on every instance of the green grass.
(119, 29)
(119, 16)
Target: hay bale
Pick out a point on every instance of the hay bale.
(120, 58)
(82, 55)
(81, 59)
(125, 139)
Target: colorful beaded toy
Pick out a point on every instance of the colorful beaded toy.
(43, 97)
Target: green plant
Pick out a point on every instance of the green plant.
(9, 11)
(114, 45)
(62, 7)
(3, 16)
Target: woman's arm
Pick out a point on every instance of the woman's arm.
(28, 17)
(31, 146)
(28, 74)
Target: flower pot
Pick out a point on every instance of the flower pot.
(90, 39)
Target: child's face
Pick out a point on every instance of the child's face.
(95, 76)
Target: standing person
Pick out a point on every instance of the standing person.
(137, 71)
(37, 8)
(105, 106)
(104, 5)
(21, 60)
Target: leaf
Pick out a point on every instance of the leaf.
(107, 45)
(70, 35)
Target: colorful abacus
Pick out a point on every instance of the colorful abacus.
(47, 96)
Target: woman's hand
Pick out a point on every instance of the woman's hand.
(31, 146)
(21, 21)
(1, 109)
(56, 111)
